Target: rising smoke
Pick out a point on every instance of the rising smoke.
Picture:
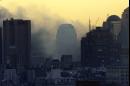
(4, 14)
(44, 28)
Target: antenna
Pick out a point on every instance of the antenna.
(89, 24)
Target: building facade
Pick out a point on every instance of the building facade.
(99, 48)
(0, 45)
(124, 34)
(116, 28)
(118, 74)
(108, 24)
(66, 62)
(66, 41)
(124, 37)
(17, 43)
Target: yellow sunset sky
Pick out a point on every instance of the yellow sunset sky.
(71, 10)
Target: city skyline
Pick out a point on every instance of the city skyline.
(52, 43)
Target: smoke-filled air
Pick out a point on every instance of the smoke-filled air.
(46, 17)
(44, 28)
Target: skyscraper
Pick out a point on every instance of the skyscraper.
(124, 37)
(124, 34)
(108, 24)
(66, 40)
(98, 48)
(0, 45)
(115, 30)
(17, 43)
(113, 25)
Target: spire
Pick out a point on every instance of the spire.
(89, 24)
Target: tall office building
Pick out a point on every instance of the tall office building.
(113, 25)
(66, 41)
(108, 24)
(98, 48)
(124, 37)
(116, 28)
(17, 43)
(0, 45)
(124, 34)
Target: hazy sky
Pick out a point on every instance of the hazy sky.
(48, 13)
(75, 10)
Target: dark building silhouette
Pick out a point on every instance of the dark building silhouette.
(17, 43)
(99, 48)
(55, 64)
(108, 25)
(0, 45)
(88, 83)
(66, 41)
(124, 37)
(124, 56)
(124, 34)
(66, 62)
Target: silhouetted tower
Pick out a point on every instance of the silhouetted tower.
(124, 34)
(90, 25)
(98, 48)
(17, 43)
(113, 25)
(124, 37)
(66, 41)
(0, 45)
(108, 25)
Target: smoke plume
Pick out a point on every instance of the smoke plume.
(44, 27)
(4, 14)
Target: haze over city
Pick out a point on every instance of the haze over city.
(64, 42)
(70, 10)
(47, 15)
